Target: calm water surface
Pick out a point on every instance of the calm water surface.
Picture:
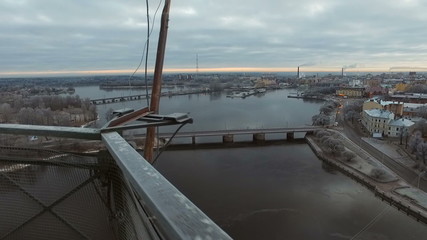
(281, 192)
(216, 111)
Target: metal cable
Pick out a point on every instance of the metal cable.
(167, 144)
(145, 51)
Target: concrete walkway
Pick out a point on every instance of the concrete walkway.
(391, 150)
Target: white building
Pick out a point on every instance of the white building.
(377, 120)
(399, 126)
(356, 83)
(383, 122)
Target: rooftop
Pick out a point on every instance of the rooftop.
(413, 105)
(412, 95)
(379, 113)
(401, 122)
(383, 103)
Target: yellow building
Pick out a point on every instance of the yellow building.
(351, 92)
(265, 83)
(392, 106)
(401, 87)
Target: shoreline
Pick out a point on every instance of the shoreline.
(385, 191)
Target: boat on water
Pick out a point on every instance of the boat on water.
(242, 94)
(261, 90)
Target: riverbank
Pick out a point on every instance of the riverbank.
(396, 192)
(308, 97)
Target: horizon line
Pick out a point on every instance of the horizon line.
(208, 70)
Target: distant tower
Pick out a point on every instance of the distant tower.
(197, 66)
(298, 73)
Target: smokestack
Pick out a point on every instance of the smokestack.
(298, 73)
(342, 72)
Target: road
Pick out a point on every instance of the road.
(408, 175)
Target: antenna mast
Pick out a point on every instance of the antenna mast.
(157, 81)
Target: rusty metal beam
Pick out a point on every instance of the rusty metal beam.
(128, 117)
(157, 81)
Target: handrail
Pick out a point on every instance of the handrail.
(53, 131)
(175, 216)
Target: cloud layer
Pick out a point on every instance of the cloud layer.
(62, 35)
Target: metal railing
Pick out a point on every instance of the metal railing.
(141, 202)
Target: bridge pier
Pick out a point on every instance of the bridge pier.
(258, 137)
(193, 140)
(228, 138)
(290, 136)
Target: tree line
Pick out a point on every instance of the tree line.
(324, 118)
(48, 110)
(330, 144)
(418, 146)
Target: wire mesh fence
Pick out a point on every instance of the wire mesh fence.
(52, 195)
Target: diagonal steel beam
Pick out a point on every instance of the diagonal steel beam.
(49, 207)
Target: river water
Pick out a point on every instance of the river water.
(269, 192)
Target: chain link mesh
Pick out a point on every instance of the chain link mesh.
(52, 195)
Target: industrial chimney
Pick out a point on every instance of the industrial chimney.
(298, 73)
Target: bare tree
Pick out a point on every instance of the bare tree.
(354, 106)
(38, 117)
(415, 139)
(377, 173)
(417, 88)
(333, 145)
(48, 115)
(25, 116)
(348, 156)
(321, 120)
(322, 133)
(6, 111)
(352, 115)
(421, 126)
(62, 119)
(422, 151)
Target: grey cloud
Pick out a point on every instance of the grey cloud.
(84, 35)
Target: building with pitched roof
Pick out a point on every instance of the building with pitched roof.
(379, 121)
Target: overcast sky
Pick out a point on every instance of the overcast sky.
(99, 35)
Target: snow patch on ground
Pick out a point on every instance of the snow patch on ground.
(420, 197)
(364, 162)
(365, 167)
(390, 150)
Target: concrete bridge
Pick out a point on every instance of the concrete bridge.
(258, 135)
(99, 101)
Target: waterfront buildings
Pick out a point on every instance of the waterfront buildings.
(380, 121)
